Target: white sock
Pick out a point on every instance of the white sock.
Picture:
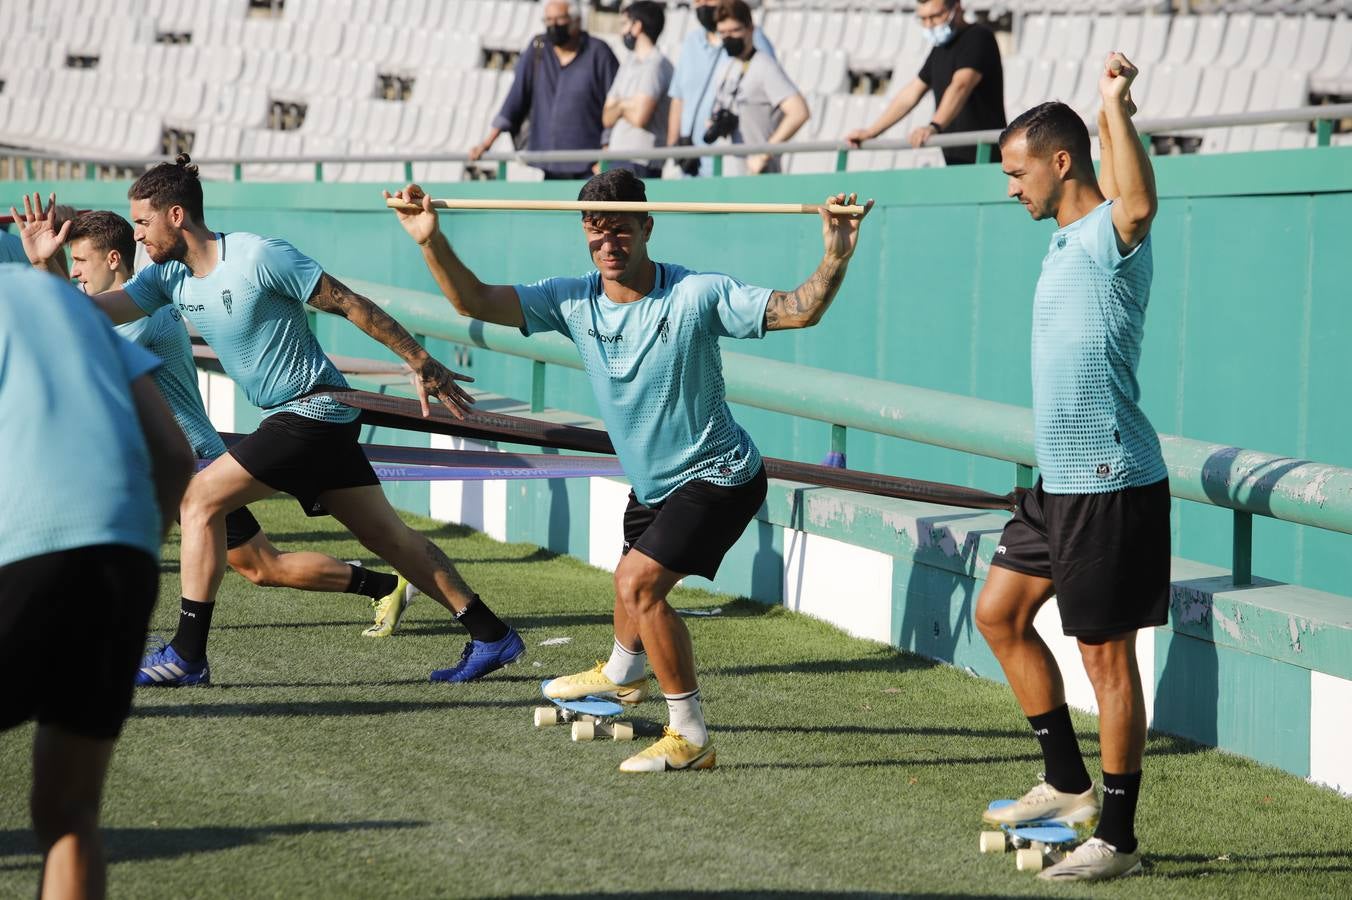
(625, 665)
(687, 717)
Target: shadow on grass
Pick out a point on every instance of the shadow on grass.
(1197, 865)
(886, 661)
(316, 708)
(752, 895)
(136, 844)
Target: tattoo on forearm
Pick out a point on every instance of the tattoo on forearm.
(332, 296)
(808, 303)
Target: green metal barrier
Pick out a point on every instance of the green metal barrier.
(1245, 481)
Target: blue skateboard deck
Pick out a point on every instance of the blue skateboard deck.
(1039, 842)
(588, 716)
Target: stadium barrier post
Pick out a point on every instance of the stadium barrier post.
(718, 166)
(408, 171)
(603, 166)
(1323, 132)
(837, 455)
(1242, 556)
(90, 172)
(983, 154)
(1023, 476)
(239, 172)
(502, 170)
(319, 171)
(537, 386)
(28, 167)
(842, 159)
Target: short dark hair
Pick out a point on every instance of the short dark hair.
(734, 9)
(619, 185)
(650, 15)
(106, 231)
(171, 184)
(1049, 127)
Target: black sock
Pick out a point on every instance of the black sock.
(480, 621)
(370, 583)
(1064, 766)
(1117, 821)
(194, 621)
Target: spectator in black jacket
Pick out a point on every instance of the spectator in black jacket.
(965, 74)
(560, 88)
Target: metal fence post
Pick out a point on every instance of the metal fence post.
(842, 160)
(1242, 553)
(983, 154)
(1323, 132)
(408, 171)
(319, 171)
(537, 386)
(836, 458)
(718, 166)
(502, 170)
(239, 172)
(1023, 476)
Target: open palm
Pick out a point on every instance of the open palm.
(42, 240)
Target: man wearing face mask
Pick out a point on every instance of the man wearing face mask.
(693, 86)
(963, 69)
(755, 103)
(559, 91)
(636, 108)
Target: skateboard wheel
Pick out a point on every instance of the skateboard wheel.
(546, 715)
(1038, 846)
(992, 842)
(584, 731)
(1028, 860)
(622, 731)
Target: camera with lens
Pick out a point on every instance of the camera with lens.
(721, 124)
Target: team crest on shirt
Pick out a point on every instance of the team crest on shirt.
(1103, 470)
(227, 300)
(664, 330)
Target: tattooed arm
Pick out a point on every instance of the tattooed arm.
(430, 378)
(805, 306)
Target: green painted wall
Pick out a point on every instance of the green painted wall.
(1246, 335)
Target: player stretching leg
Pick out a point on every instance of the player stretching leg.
(246, 295)
(1094, 531)
(648, 335)
(102, 246)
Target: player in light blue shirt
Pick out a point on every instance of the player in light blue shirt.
(102, 246)
(92, 459)
(648, 334)
(247, 296)
(1094, 531)
(11, 249)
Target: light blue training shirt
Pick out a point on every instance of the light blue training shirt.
(76, 468)
(656, 371)
(164, 335)
(251, 310)
(1090, 435)
(11, 249)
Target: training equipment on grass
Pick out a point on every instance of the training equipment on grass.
(589, 716)
(621, 206)
(1036, 843)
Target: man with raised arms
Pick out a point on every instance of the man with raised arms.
(246, 295)
(1094, 531)
(648, 335)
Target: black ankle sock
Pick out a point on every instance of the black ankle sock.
(194, 621)
(480, 621)
(370, 583)
(1117, 821)
(1064, 766)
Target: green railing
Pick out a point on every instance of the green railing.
(1246, 482)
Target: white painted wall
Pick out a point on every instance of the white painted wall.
(1331, 731)
(481, 505)
(848, 586)
(605, 538)
(1079, 691)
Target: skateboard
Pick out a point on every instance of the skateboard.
(1038, 844)
(589, 716)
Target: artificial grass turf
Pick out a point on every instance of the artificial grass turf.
(322, 764)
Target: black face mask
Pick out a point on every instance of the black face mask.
(559, 34)
(705, 15)
(630, 42)
(734, 46)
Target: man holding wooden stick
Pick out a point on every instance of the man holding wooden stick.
(648, 335)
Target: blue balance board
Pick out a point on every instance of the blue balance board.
(587, 706)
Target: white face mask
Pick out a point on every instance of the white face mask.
(940, 34)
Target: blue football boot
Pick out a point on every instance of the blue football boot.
(481, 657)
(163, 667)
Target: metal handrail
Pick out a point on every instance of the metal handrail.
(1246, 481)
(1327, 112)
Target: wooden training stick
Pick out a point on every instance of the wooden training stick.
(624, 207)
(1116, 68)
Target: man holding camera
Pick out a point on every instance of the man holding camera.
(693, 85)
(756, 102)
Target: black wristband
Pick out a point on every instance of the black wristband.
(938, 129)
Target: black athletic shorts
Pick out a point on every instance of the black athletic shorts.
(1106, 554)
(693, 529)
(305, 457)
(72, 632)
(240, 527)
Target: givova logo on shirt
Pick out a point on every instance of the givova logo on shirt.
(227, 300)
(605, 338)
